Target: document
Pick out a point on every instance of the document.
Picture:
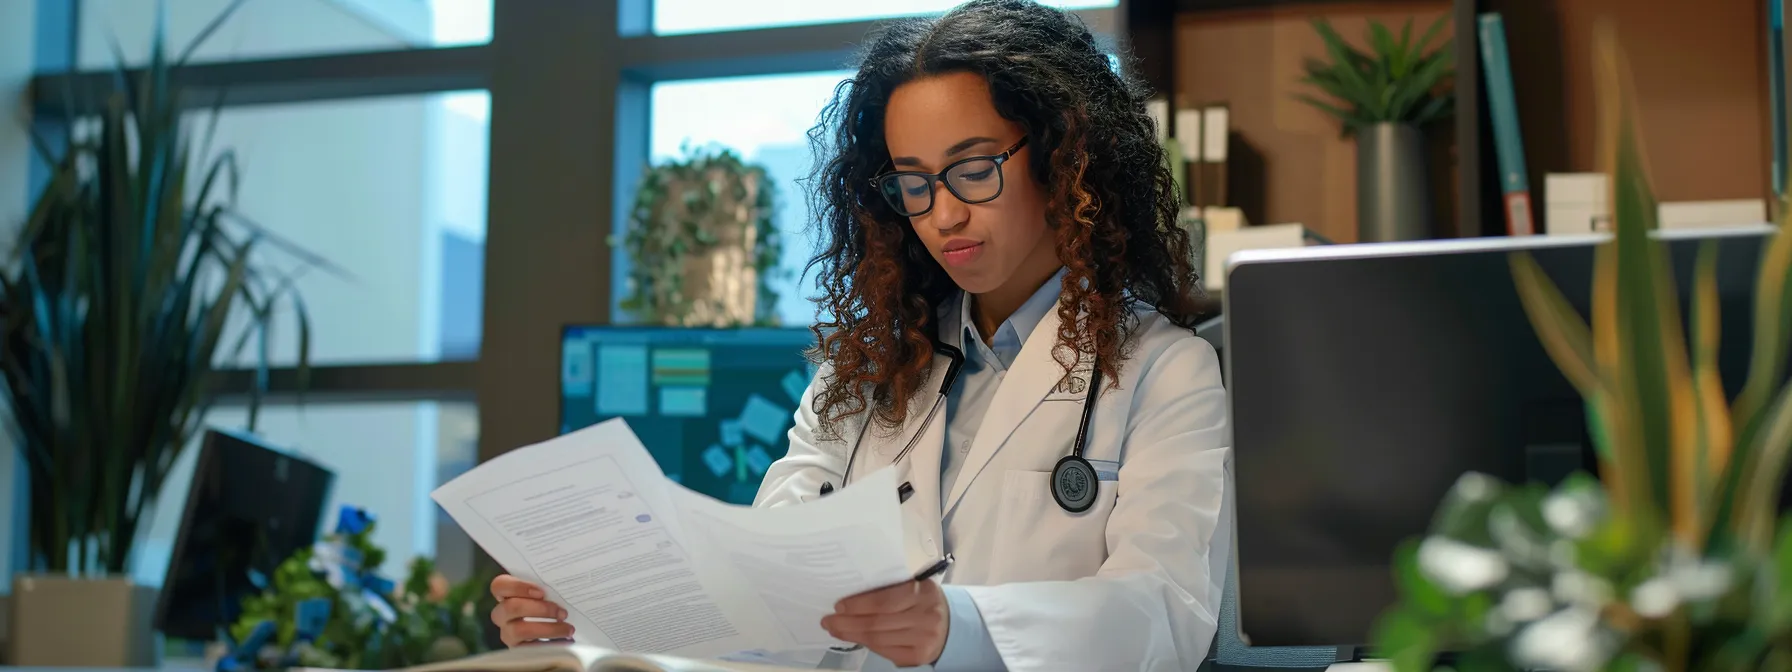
(644, 565)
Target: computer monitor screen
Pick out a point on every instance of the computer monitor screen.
(1366, 380)
(249, 508)
(712, 405)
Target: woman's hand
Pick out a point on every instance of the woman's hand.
(905, 623)
(519, 600)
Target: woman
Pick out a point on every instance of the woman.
(992, 187)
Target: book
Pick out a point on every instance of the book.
(1502, 110)
(580, 658)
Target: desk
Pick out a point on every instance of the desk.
(169, 664)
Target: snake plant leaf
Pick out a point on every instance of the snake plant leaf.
(1767, 366)
(1569, 343)
(1772, 334)
(1778, 616)
(1562, 331)
(1760, 497)
(1648, 372)
(1715, 432)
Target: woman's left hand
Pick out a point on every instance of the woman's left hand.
(905, 623)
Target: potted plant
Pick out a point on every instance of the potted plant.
(1675, 557)
(131, 280)
(372, 623)
(702, 244)
(1384, 98)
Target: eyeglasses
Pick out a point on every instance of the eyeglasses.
(976, 179)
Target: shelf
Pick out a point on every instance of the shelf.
(1196, 6)
(1699, 72)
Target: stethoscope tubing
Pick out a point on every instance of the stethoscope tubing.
(1074, 462)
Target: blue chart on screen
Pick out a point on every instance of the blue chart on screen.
(758, 460)
(683, 401)
(712, 405)
(794, 384)
(762, 419)
(718, 460)
(575, 367)
(621, 377)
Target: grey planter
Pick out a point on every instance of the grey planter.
(1393, 194)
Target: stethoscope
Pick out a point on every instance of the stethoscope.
(1073, 479)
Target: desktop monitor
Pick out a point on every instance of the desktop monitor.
(712, 405)
(1365, 380)
(250, 507)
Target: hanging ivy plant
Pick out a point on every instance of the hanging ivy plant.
(702, 244)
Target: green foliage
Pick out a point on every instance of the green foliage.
(1676, 557)
(1516, 578)
(132, 276)
(1396, 81)
(696, 224)
(435, 621)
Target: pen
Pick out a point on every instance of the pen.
(936, 569)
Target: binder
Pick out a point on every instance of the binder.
(1502, 108)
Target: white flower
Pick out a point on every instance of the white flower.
(1477, 487)
(1700, 580)
(1515, 538)
(1459, 567)
(1571, 515)
(1577, 587)
(1655, 598)
(1526, 604)
(1566, 641)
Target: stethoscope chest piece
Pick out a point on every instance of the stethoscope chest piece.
(1074, 484)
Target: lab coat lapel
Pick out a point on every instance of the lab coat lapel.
(923, 463)
(1033, 377)
(924, 460)
(920, 469)
(889, 443)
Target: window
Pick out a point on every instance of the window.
(277, 28)
(769, 119)
(672, 17)
(389, 193)
(387, 458)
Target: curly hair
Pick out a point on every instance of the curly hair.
(1113, 203)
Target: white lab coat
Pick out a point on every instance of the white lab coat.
(1134, 583)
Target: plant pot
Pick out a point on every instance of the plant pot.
(1393, 193)
(57, 621)
(722, 282)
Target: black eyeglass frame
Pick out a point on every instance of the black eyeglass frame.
(933, 178)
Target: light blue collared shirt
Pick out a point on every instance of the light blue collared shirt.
(968, 645)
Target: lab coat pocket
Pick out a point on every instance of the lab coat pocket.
(1040, 541)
